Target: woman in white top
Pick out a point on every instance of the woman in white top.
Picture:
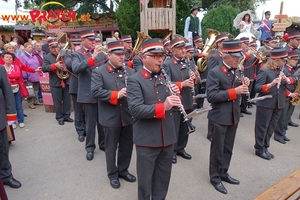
(245, 28)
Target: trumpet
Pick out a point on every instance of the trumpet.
(101, 48)
(260, 54)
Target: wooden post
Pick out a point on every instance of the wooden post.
(174, 18)
(281, 10)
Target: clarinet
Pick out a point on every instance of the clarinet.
(169, 85)
(190, 73)
(279, 76)
(125, 74)
(243, 80)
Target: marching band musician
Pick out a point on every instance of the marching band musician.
(287, 111)
(215, 59)
(223, 92)
(153, 129)
(270, 81)
(179, 73)
(127, 41)
(85, 60)
(167, 48)
(109, 88)
(73, 88)
(59, 87)
(249, 65)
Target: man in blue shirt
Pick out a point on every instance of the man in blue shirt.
(266, 27)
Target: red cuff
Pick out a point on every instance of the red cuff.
(264, 88)
(53, 68)
(246, 56)
(292, 81)
(231, 94)
(195, 80)
(200, 55)
(287, 93)
(11, 117)
(130, 64)
(90, 61)
(159, 110)
(113, 98)
(179, 85)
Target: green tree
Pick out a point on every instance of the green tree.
(241, 5)
(215, 19)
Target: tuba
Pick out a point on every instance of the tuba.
(141, 37)
(63, 73)
(211, 36)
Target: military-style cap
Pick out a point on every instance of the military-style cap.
(267, 13)
(294, 35)
(154, 45)
(190, 48)
(52, 43)
(198, 38)
(244, 40)
(273, 40)
(75, 39)
(221, 37)
(126, 38)
(177, 42)
(253, 44)
(166, 42)
(115, 47)
(194, 8)
(293, 54)
(279, 54)
(233, 48)
(90, 34)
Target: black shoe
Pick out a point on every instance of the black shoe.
(128, 177)
(174, 159)
(271, 155)
(90, 155)
(13, 183)
(241, 115)
(115, 183)
(286, 139)
(263, 155)
(80, 138)
(209, 137)
(230, 180)
(249, 105)
(25, 115)
(246, 112)
(61, 122)
(220, 187)
(293, 124)
(68, 120)
(281, 141)
(184, 154)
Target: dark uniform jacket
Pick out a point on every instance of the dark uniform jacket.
(106, 82)
(128, 55)
(249, 67)
(73, 78)
(179, 72)
(153, 127)
(215, 60)
(138, 62)
(289, 72)
(222, 96)
(48, 66)
(7, 100)
(264, 77)
(83, 65)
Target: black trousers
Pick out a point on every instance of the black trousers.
(201, 90)
(280, 129)
(265, 124)
(181, 132)
(221, 151)
(62, 104)
(78, 116)
(91, 120)
(6, 168)
(154, 166)
(118, 139)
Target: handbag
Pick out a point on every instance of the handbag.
(30, 91)
(23, 90)
(15, 88)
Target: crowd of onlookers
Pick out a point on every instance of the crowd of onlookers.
(23, 62)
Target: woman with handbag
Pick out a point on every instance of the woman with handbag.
(14, 74)
(32, 61)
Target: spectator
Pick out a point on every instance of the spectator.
(3, 39)
(32, 61)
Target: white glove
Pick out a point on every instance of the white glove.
(9, 123)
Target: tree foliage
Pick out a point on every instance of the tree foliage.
(220, 19)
